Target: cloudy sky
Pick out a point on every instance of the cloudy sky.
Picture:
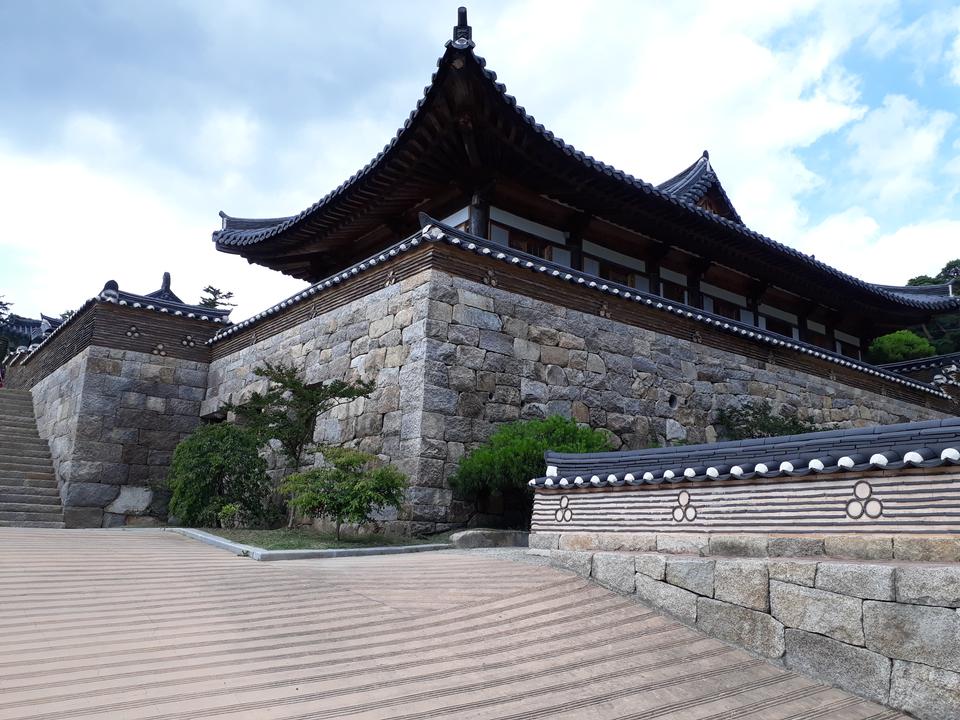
(126, 125)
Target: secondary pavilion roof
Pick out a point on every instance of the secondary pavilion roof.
(467, 133)
(699, 185)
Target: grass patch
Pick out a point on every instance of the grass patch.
(309, 539)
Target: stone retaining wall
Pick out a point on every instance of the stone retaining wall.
(888, 631)
(453, 358)
(112, 419)
(382, 338)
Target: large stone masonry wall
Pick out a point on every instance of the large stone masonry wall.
(507, 357)
(112, 419)
(887, 631)
(380, 338)
(452, 359)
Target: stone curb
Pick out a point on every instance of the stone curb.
(270, 555)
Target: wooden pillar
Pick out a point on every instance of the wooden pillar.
(653, 267)
(753, 301)
(694, 277)
(480, 214)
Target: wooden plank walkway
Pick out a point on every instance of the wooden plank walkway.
(154, 626)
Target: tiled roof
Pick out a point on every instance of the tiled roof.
(692, 184)
(238, 232)
(926, 363)
(931, 443)
(112, 294)
(435, 231)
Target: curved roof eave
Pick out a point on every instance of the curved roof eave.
(232, 240)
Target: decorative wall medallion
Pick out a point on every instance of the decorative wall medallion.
(605, 310)
(696, 337)
(864, 503)
(158, 350)
(188, 341)
(564, 513)
(684, 510)
(490, 278)
(133, 331)
(390, 279)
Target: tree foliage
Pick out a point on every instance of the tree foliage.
(349, 489)
(899, 345)
(4, 309)
(218, 465)
(950, 271)
(288, 410)
(757, 420)
(514, 454)
(216, 298)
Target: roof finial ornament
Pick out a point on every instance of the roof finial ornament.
(165, 285)
(706, 154)
(462, 31)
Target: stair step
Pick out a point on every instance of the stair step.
(42, 503)
(29, 507)
(7, 455)
(8, 421)
(31, 490)
(20, 432)
(33, 523)
(25, 516)
(36, 470)
(28, 477)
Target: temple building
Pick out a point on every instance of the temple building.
(480, 270)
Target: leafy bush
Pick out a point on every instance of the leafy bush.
(514, 454)
(757, 420)
(218, 465)
(350, 489)
(899, 345)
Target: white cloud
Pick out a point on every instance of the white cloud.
(228, 139)
(75, 228)
(645, 87)
(896, 148)
(854, 242)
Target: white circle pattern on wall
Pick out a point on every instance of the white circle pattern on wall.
(684, 510)
(564, 513)
(864, 503)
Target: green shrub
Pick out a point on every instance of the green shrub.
(505, 464)
(217, 466)
(899, 345)
(757, 420)
(350, 489)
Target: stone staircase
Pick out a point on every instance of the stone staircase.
(28, 486)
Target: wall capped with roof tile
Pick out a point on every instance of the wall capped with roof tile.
(452, 358)
(112, 419)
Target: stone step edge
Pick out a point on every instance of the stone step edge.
(262, 555)
(872, 547)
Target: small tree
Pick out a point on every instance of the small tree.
(216, 298)
(218, 465)
(67, 314)
(505, 464)
(899, 345)
(350, 489)
(4, 309)
(288, 410)
(757, 420)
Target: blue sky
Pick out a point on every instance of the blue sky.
(126, 125)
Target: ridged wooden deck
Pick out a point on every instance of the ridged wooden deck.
(151, 625)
